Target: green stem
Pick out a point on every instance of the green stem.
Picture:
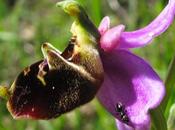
(169, 83)
(96, 11)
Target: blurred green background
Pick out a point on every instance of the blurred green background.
(26, 24)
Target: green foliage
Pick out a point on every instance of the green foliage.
(25, 26)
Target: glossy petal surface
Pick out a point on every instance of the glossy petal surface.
(143, 36)
(131, 81)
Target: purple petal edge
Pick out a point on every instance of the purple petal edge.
(143, 36)
(122, 126)
(131, 81)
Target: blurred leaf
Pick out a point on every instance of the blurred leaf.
(105, 119)
(157, 119)
(3, 9)
(170, 85)
(171, 118)
(46, 125)
(7, 36)
(96, 11)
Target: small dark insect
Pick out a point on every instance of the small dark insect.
(120, 109)
(125, 118)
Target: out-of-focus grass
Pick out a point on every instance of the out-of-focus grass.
(25, 26)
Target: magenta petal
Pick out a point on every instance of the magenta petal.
(122, 126)
(104, 25)
(131, 81)
(143, 36)
(110, 39)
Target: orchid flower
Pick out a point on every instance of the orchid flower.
(96, 61)
(129, 80)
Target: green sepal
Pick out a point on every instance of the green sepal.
(73, 8)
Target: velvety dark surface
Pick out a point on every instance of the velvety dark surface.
(65, 89)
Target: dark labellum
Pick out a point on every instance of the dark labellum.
(53, 86)
(58, 92)
(120, 109)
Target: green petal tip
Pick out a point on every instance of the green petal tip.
(70, 6)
